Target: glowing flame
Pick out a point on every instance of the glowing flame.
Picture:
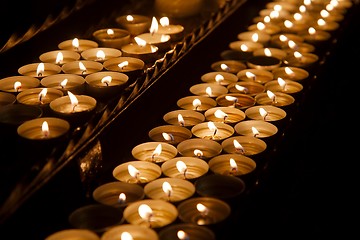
(298, 55)
(122, 198)
(224, 67)
(133, 171)
(126, 236)
(167, 136)
(110, 32)
(288, 24)
(100, 55)
(271, 95)
(123, 64)
(139, 41)
(231, 98)
(145, 212)
(166, 187)
(182, 235)
(82, 67)
(311, 31)
(260, 26)
(321, 22)
(238, 146)
(181, 167)
(59, 58)
(208, 91)
(164, 38)
(196, 103)
(220, 114)
(283, 38)
(250, 75)
(282, 83)
(302, 9)
(241, 88)
(129, 18)
(212, 127)
(202, 209)
(267, 52)
(17, 86)
(233, 165)
(289, 71)
(244, 47)
(63, 83)
(267, 19)
(42, 94)
(74, 101)
(298, 16)
(40, 69)
(255, 37)
(263, 113)
(277, 7)
(107, 80)
(45, 129)
(75, 43)
(181, 120)
(154, 26)
(255, 131)
(292, 44)
(164, 21)
(198, 153)
(219, 78)
(157, 151)
(274, 14)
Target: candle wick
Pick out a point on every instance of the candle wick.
(240, 150)
(172, 137)
(83, 72)
(185, 173)
(39, 74)
(107, 84)
(256, 134)
(74, 107)
(225, 117)
(214, 132)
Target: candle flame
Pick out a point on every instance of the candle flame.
(271, 95)
(263, 113)
(298, 55)
(298, 16)
(59, 58)
(233, 165)
(122, 198)
(154, 26)
(107, 80)
(100, 55)
(82, 67)
(153, 48)
(238, 146)
(292, 44)
(45, 129)
(126, 236)
(181, 120)
(260, 26)
(42, 94)
(244, 47)
(282, 83)
(145, 212)
(157, 151)
(202, 208)
(219, 78)
(123, 64)
(283, 38)
(196, 103)
(274, 14)
(182, 235)
(277, 7)
(75, 43)
(166, 187)
(321, 22)
(129, 18)
(74, 101)
(289, 71)
(250, 75)
(133, 171)
(164, 38)
(267, 19)
(311, 31)
(40, 69)
(231, 98)
(212, 127)
(181, 167)
(17, 86)
(167, 136)
(198, 153)
(63, 83)
(110, 32)
(267, 52)
(255, 131)
(288, 24)
(302, 9)
(241, 88)
(208, 91)
(220, 114)
(224, 67)
(164, 21)
(139, 41)
(255, 37)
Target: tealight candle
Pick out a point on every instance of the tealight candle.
(6, 99)
(291, 73)
(68, 234)
(246, 87)
(96, 217)
(221, 78)
(267, 27)
(39, 70)
(272, 52)
(135, 24)
(267, 113)
(170, 134)
(137, 172)
(65, 82)
(288, 6)
(162, 41)
(176, 31)
(230, 66)
(197, 103)
(199, 147)
(278, 99)
(173, 190)
(186, 231)
(112, 37)
(59, 57)
(256, 128)
(212, 130)
(263, 62)
(82, 67)
(293, 26)
(302, 60)
(245, 145)
(255, 75)
(100, 54)
(237, 100)
(203, 211)
(156, 152)
(208, 89)
(39, 96)
(184, 118)
(141, 49)
(118, 194)
(275, 15)
(244, 49)
(77, 45)
(281, 40)
(151, 213)
(189, 168)
(105, 85)
(133, 67)
(315, 37)
(254, 36)
(284, 85)
(129, 231)
(326, 25)
(229, 115)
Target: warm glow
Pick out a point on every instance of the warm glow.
(298, 55)
(292, 44)
(110, 32)
(238, 146)
(106, 80)
(75, 43)
(298, 16)
(181, 120)
(220, 114)
(154, 26)
(100, 55)
(133, 171)
(164, 21)
(263, 113)
(267, 19)
(219, 78)
(260, 26)
(281, 82)
(126, 236)
(164, 38)
(233, 165)
(224, 67)
(74, 101)
(289, 71)
(40, 69)
(167, 136)
(59, 58)
(196, 103)
(274, 14)
(208, 91)
(212, 127)
(271, 95)
(82, 67)
(283, 38)
(181, 167)
(166, 187)
(145, 212)
(139, 41)
(231, 98)
(201, 208)
(17, 86)
(302, 9)
(182, 235)
(324, 13)
(244, 47)
(241, 88)
(288, 24)
(307, 2)
(157, 151)
(198, 153)
(42, 94)
(267, 52)
(329, 7)
(45, 129)
(277, 7)
(321, 22)
(255, 37)
(123, 64)
(255, 131)
(250, 75)
(64, 82)
(129, 18)
(311, 31)
(122, 198)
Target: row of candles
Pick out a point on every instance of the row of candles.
(209, 150)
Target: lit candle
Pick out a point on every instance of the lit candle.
(278, 99)
(176, 9)
(227, 115)
(82, 67)
(186, 231)
(39, 96)
(212, 130)
(265, 27)
(242, 50)
(255, 75)
(129, 232)
(176, 32)
(256, 128)
(220, 78)
(133, 67)
(184, 118)
(39, 70)
(232, 164)
(246, 87)
(208, 89)
(68, 234)
(156, 152)
(270, 52)
(112, 37)
(189, 168)
(100, 54)
(137, 172)
(254, 36)
(284, 85)
(77, 45)
(197, 103)
(16, 84)
(154, 38)
(245, 145)
(237, 100)
(141, 49)
(135, 24)
(230, 66)
(199, 147)
(65, 82)
(169, 133)
(291, 73)
(263, 62)
(59, 57)
(302, 60)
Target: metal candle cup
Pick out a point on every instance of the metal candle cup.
(237, 100)
(112, 37)
(100, 54)
(34, 96)
(271, 113)
(255, 75)
(197, 103)
(279, 99)
(243, 50)
(212, 90)
(83, 44)
(189, 168)
(221, 78)
(291, 73)
(135, 24)
(199, 147)
(156, 152)
(170, 134)
(263, 129)
(146, 172)
(290, 87)
(261, 37)
(247, 145)
(192, 231)
(230, 66)
(205, 131)
(229, 115)
(263, 62)
(133, 67)
(31, 70)
(82, 67)
(53, 57)
(147, 53)
(185, 118)
(246, 87)
(65, 82)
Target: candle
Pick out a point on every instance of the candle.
(184, 231)
(6, 99)
(100, 54)
(175, 31)
(179, 10)
(82, 67)
(173, 190)
(243, 50)
(197, 103)
(59, 57)
(199, 147)
(271, 52)
(135, 24)
(65, 82)
(184, 118)
(265, 27)
(137, 172)
(118, 194)
(156, 152)
(208, 89)
(278, 5)
(227, 115)
(278, 99)
(302, 60)
(291, 73)
(267, 113)
(256, 128)
(141, 49)
(281, 40)
(170, 134)
(39, 70)
(127, 231)
(133, 67)
(77, 45)
(244, 145)
(221, 78)
(151, 213)
(212, 130)
(255, 75)
(293, 26)
(96, 217)
(315, 37)
(105, 85)
(246, 87)
(69, 234)
(203, 211)
(39, 96)
(230, 66)
(189, 168)
(284, 85)
(112, 37)
(237, 100)
(263, 62)
(276, 15)
(254, 36)
(329, 26)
